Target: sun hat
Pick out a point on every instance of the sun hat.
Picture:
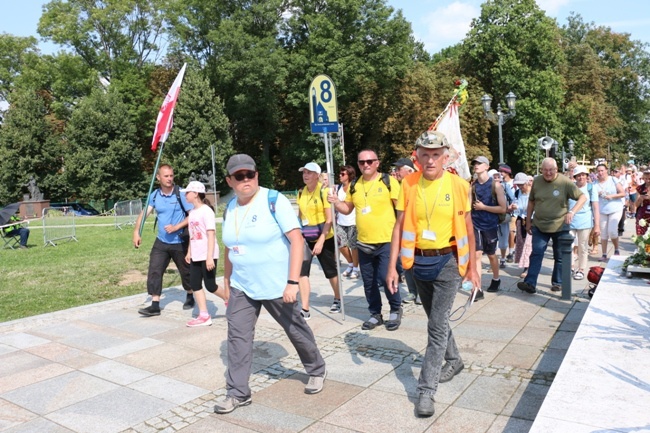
(432, 140)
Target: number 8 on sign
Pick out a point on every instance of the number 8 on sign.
(323, 111)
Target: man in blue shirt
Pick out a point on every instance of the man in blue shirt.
(171, 209)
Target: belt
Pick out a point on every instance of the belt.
(431, 253)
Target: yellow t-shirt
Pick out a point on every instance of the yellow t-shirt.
(313, 206)
(435, 212)
(375, 213)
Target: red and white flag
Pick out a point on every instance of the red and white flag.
(166, 113)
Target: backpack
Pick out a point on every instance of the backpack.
(385, 177)
(272, 199)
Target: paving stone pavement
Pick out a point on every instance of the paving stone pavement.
(103, 368)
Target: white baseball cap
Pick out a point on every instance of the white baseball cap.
(521, 179)
(580, 169)
(194, 186)
(311, 166)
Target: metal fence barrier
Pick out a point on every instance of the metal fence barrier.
(58, 224)
(126, 212)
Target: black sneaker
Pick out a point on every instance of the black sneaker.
(393, 324)
(526, 287)
(189, 302)
(374, 321)
(149, 311)
(479, 295)
(450, 370)
(510, 258)
(502, 263)
(494, 286)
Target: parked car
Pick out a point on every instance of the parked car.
(79, 209)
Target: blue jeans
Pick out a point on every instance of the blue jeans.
(22, 232)
(437, 298)
(540, 242)
(374, 268)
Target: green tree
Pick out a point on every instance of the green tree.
(102, 158)
(514, 46)
(199, 122)
(109, 35)
(28, 147)
(17, 54)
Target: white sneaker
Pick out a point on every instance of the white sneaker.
(354, 275)
(347, 272)
(305, 314)
(336, 306)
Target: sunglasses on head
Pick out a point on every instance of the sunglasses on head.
(245, 175)
(366, 161)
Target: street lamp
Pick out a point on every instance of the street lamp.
(499, 117)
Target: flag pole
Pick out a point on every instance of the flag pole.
(146, 205)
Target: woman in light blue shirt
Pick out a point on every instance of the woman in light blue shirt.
(583, 221)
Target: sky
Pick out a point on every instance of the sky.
(437, 23)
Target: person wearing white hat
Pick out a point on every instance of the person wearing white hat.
(586, 219)
(523, 242)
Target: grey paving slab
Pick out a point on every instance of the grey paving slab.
(473, 349)
(214, 424)
(117, 372)
(535, 337)
(38, 425)
(504, 424)
(526, 401)
(161, 358)
(561, 339)
(360, 369)
(65, 355)
(207, 372)
(22, 340)
(4, 349)
(110, 412)
(168, 389)
(25, 375)
(488, 394)
(128, 347)
(462, 420)
(12, 415)
(323, 427)
(52, 394)
(518, 355)
(550, 360)
(260, 418)
(487, 331)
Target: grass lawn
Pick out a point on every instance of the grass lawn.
(103, 265)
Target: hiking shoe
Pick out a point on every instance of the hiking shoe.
(315, 384)
(578, 275)
(230, 404)
(374, 321)
(336, 306)
(494, 286)
(348, 271)
(526, 287)
(149, 311)
(394, 320)
(189, 302)
(425, 407)
(200, 321)
(450, 370)
(510, 258)
(556, 287)
(408, 298)
(502, 263)
(354, 275)
(305, 314)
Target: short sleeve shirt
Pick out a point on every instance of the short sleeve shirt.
(434, 207)
(373, 203)
(168, 212)
(584, 218)
(552, 201)
(313, 206)
(201, 220)
(261, 268)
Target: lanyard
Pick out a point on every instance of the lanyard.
(365, 193)
(424, 199)
(238, 222)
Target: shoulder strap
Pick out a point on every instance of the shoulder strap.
(273, 198)
(352, 185)
(177, 191)
(385, 177)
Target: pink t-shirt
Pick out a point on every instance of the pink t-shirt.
(201, 220)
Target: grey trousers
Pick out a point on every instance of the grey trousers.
(242, 314)
(437, 299)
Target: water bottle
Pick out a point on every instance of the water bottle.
(467, 286)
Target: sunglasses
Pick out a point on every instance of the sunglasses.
(245, 175)
(366, 161)
(343, 174)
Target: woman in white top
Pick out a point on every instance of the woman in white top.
(610, 193)
(346, 228)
